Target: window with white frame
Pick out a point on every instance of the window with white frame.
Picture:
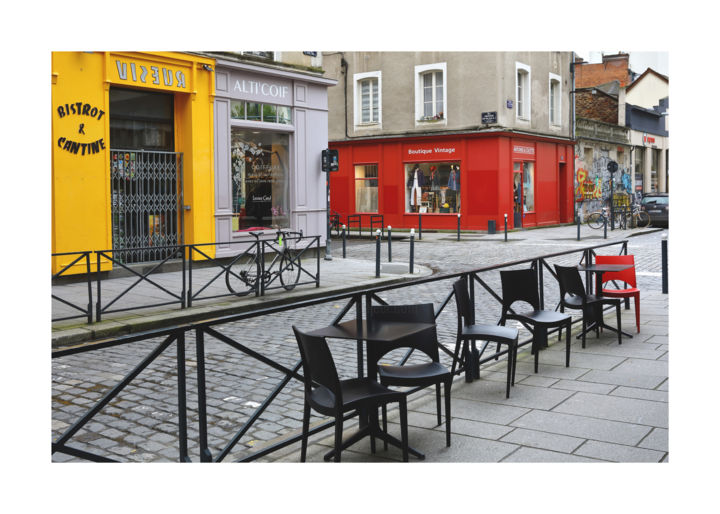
(522, 91)
(368, 98)
(554, 99)
(431, 92)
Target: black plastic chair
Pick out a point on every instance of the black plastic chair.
(522, 285)
(469, 332)
(411, 375)
(330, 396)
(574, 296)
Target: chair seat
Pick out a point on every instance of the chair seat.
(495, 333)
(575, 301)
(355, 392)
(621, 292)
(542, 317)
(412, 374)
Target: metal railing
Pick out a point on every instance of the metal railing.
(86, 311)
(359, 301)
(182, 290)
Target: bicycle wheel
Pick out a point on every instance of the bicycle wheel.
(595, 220)
(241, 275)
(642, 219)
(620, 220)
(289, 269)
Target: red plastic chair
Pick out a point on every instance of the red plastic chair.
(627, 276)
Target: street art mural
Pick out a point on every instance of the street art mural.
(592, 180)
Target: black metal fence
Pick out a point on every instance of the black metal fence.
(359, 301)
(183, 288)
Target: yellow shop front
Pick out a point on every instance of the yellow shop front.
(132, 155)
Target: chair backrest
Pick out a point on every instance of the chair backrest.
(425, 341)
(462, 302)
(627, 276)
(519, 286)
(318, 363)
(570, 281)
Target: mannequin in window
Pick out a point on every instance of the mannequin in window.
(434, 185)
(454, 185)
(415, 183)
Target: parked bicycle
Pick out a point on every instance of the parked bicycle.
(639, 218)
(243, 272)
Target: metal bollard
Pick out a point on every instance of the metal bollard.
(389, 239)
(344, 241)
(419, 227)
(577, 217)
(377, 253)
(506, 227)
(412, 248)
(664, 251)
(458, 226)
(605, 227)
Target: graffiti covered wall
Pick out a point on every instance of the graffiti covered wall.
(592, 178)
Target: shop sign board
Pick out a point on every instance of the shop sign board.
(77, 117)
(523, 151)
(414, 152)
(150, 74)
(248, 86)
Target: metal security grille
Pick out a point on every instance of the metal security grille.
(146, 191)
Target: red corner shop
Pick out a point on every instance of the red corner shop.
(479, 176)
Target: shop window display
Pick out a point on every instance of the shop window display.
(366, 188)
(432, 187)
(259, 179)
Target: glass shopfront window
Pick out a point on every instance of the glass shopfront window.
(260, 181)
(432, 187)
(366, 188)
(528, 186)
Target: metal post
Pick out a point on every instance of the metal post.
(389, 239)
(377, 253)
(577, 217)
(328, 257)
(458, 227)
(419, 227)
(506, 227)
(412, 248)
(344, 241)
(604, 227)
(664, 249)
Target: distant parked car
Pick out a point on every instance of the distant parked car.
(656, 205)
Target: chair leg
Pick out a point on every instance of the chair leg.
(619, 322)
(584, 326)
(510, 370)
(567, 344)
(448, 416)
(637, 312)
(404, 428)
(438, 404)
(305, 429)
(338, 436)
(514, 364)
(373, 418)
(384, 425)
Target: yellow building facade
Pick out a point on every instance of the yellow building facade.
(114, 115)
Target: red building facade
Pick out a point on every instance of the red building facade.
(481, 176)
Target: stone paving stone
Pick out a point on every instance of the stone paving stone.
(627, 410)
(622, 379)
(588, 387)
(478, 429)
(618, 453)
(656, 440)
(480, 411)
(538, 381)
(641, 394)
(538, 455)
(643, 367)
(581, 426)
(543, 440)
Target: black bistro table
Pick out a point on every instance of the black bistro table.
(599, 269)
(380, 332)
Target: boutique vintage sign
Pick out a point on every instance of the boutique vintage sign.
(414, 152)
(79, 114)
